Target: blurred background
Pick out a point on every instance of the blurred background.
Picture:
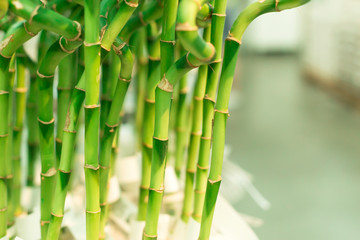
(294, 121)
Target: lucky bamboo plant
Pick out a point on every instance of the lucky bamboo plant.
(97, 48)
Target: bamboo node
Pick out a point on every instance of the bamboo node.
(226, 112)
(206, 138)
(144, 187)
(86, 44)
(58, 140)
(43, 223)
(202, 168)
(154, 58)
(20, 90)
(80, 89)
(184, 90)
(168, 41)
(10, 176)
(150, 236)
(42, 75)
(4, 135)
(57, 215)
(198, 133)
(209, 98)
(196, 98)
(117, 49)
(160, 190)
(188, 61)
(92, 106)
(185, 27)
(16, 158)
(69, 131)
(217, 61)
(141, 17)
(64, 49)
(277, 6)
(212, 182)
(29, 32)
(230, 37)
(2, 177)
(131, 4)
(93, 212)
(78, 29)
(165, 85)
(190, 170)
(213, 51)
(112, 126)
(219, 14)
(200, 192)
(46, 123)
(50, 173)
(18, 5)
(163, 140)
(149, 100)
(104, 167)
(147, 145)
(66, 172)
(4, 44)
(91, 167)
(124, 80)
(34, 12)
(3, 92)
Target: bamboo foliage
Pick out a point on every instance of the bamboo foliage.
(94, 45)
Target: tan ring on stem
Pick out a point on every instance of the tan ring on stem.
(46, 123)
(198, 133)
(86, 44)
(206, 138)
(149, 100)
(93, 212)
(20, 90)
(124, 80)
(147, 145)
(131, 4)
(3, 92)
(231, 37)
(165, 85)
(160, 190)
(215, 181)
(200, 191)
(104, 167)
(63, 48)
(202, 168)
(29, 32)
(42, 222)
(57, 215)
(92, 106)
(219, 14)
(150, 236)
(78, 29)
(163, 140)
(63, 171)
(188, 61)
(51, 172)
(42, 75)
(168, 41)
(209, 98)
(91, 167)
(34, 12)
(141, 17)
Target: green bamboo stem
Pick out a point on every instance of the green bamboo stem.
(112, 123)
(148, 118)
(196, 132)
(217, 28)
(15, 37)
(141, 76)
(46, 19)
(45, 77)
(160, 138)
(65, 85)
(142, 18)
(200, 53)
(67, 155)
(181, 123)
(4, 100)
(92, 117)
(9, 164)
(232, 46)
(110, 74)
(32, 128)
(125, 11)
(20, 107)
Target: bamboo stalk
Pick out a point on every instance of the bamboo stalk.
(148, 118)
(217, 28)
(112, 123)
(92, 117)
(160, 138)
(20, 107)
(45, 77)
(67, 155)
(232, 46)
(196, 131)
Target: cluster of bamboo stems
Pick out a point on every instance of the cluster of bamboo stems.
(95, 44)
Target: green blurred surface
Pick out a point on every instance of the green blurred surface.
(303, 148)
